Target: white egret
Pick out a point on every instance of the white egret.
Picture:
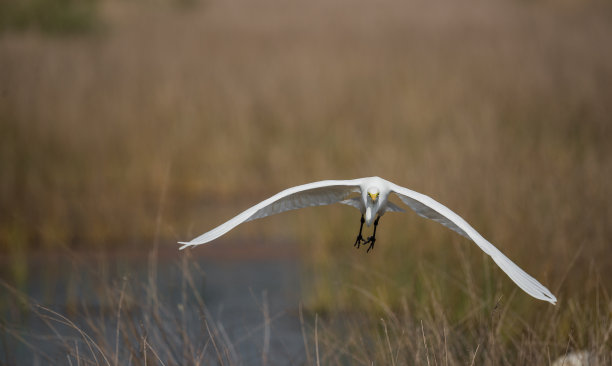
(373, 203)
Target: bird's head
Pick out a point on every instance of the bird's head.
(373, 192)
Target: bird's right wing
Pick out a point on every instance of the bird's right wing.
(429, 208)
(311, 194)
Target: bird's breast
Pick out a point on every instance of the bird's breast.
(369, 215)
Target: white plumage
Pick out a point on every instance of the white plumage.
(373, 203)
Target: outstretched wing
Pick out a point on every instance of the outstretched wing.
(429, 208)
(312, 194)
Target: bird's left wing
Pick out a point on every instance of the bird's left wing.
(311, 194)
(429, 208)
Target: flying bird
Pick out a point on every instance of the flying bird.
(373, 202)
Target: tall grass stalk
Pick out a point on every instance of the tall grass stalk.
(495, 333)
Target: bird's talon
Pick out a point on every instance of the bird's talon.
(359, 241)
(371, 240)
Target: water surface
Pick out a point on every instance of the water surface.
(240, 288)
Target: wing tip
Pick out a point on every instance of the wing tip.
(185, 244)
(542, 293)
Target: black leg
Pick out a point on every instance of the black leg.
(372, 239)
(359, 237)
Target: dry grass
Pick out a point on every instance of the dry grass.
(129, 322)
(487, 108)
(498, 109)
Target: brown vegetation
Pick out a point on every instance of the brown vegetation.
(170, 119)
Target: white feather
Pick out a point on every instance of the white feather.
(446, 217)
(311, 194)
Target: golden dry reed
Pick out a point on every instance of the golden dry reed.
(169, 119)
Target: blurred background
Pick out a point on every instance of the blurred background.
(126, 126)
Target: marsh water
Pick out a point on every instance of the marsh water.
(233, 290)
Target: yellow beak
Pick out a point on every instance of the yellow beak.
(374, 197)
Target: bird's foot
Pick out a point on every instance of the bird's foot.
(359, 241)
(371, 240)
